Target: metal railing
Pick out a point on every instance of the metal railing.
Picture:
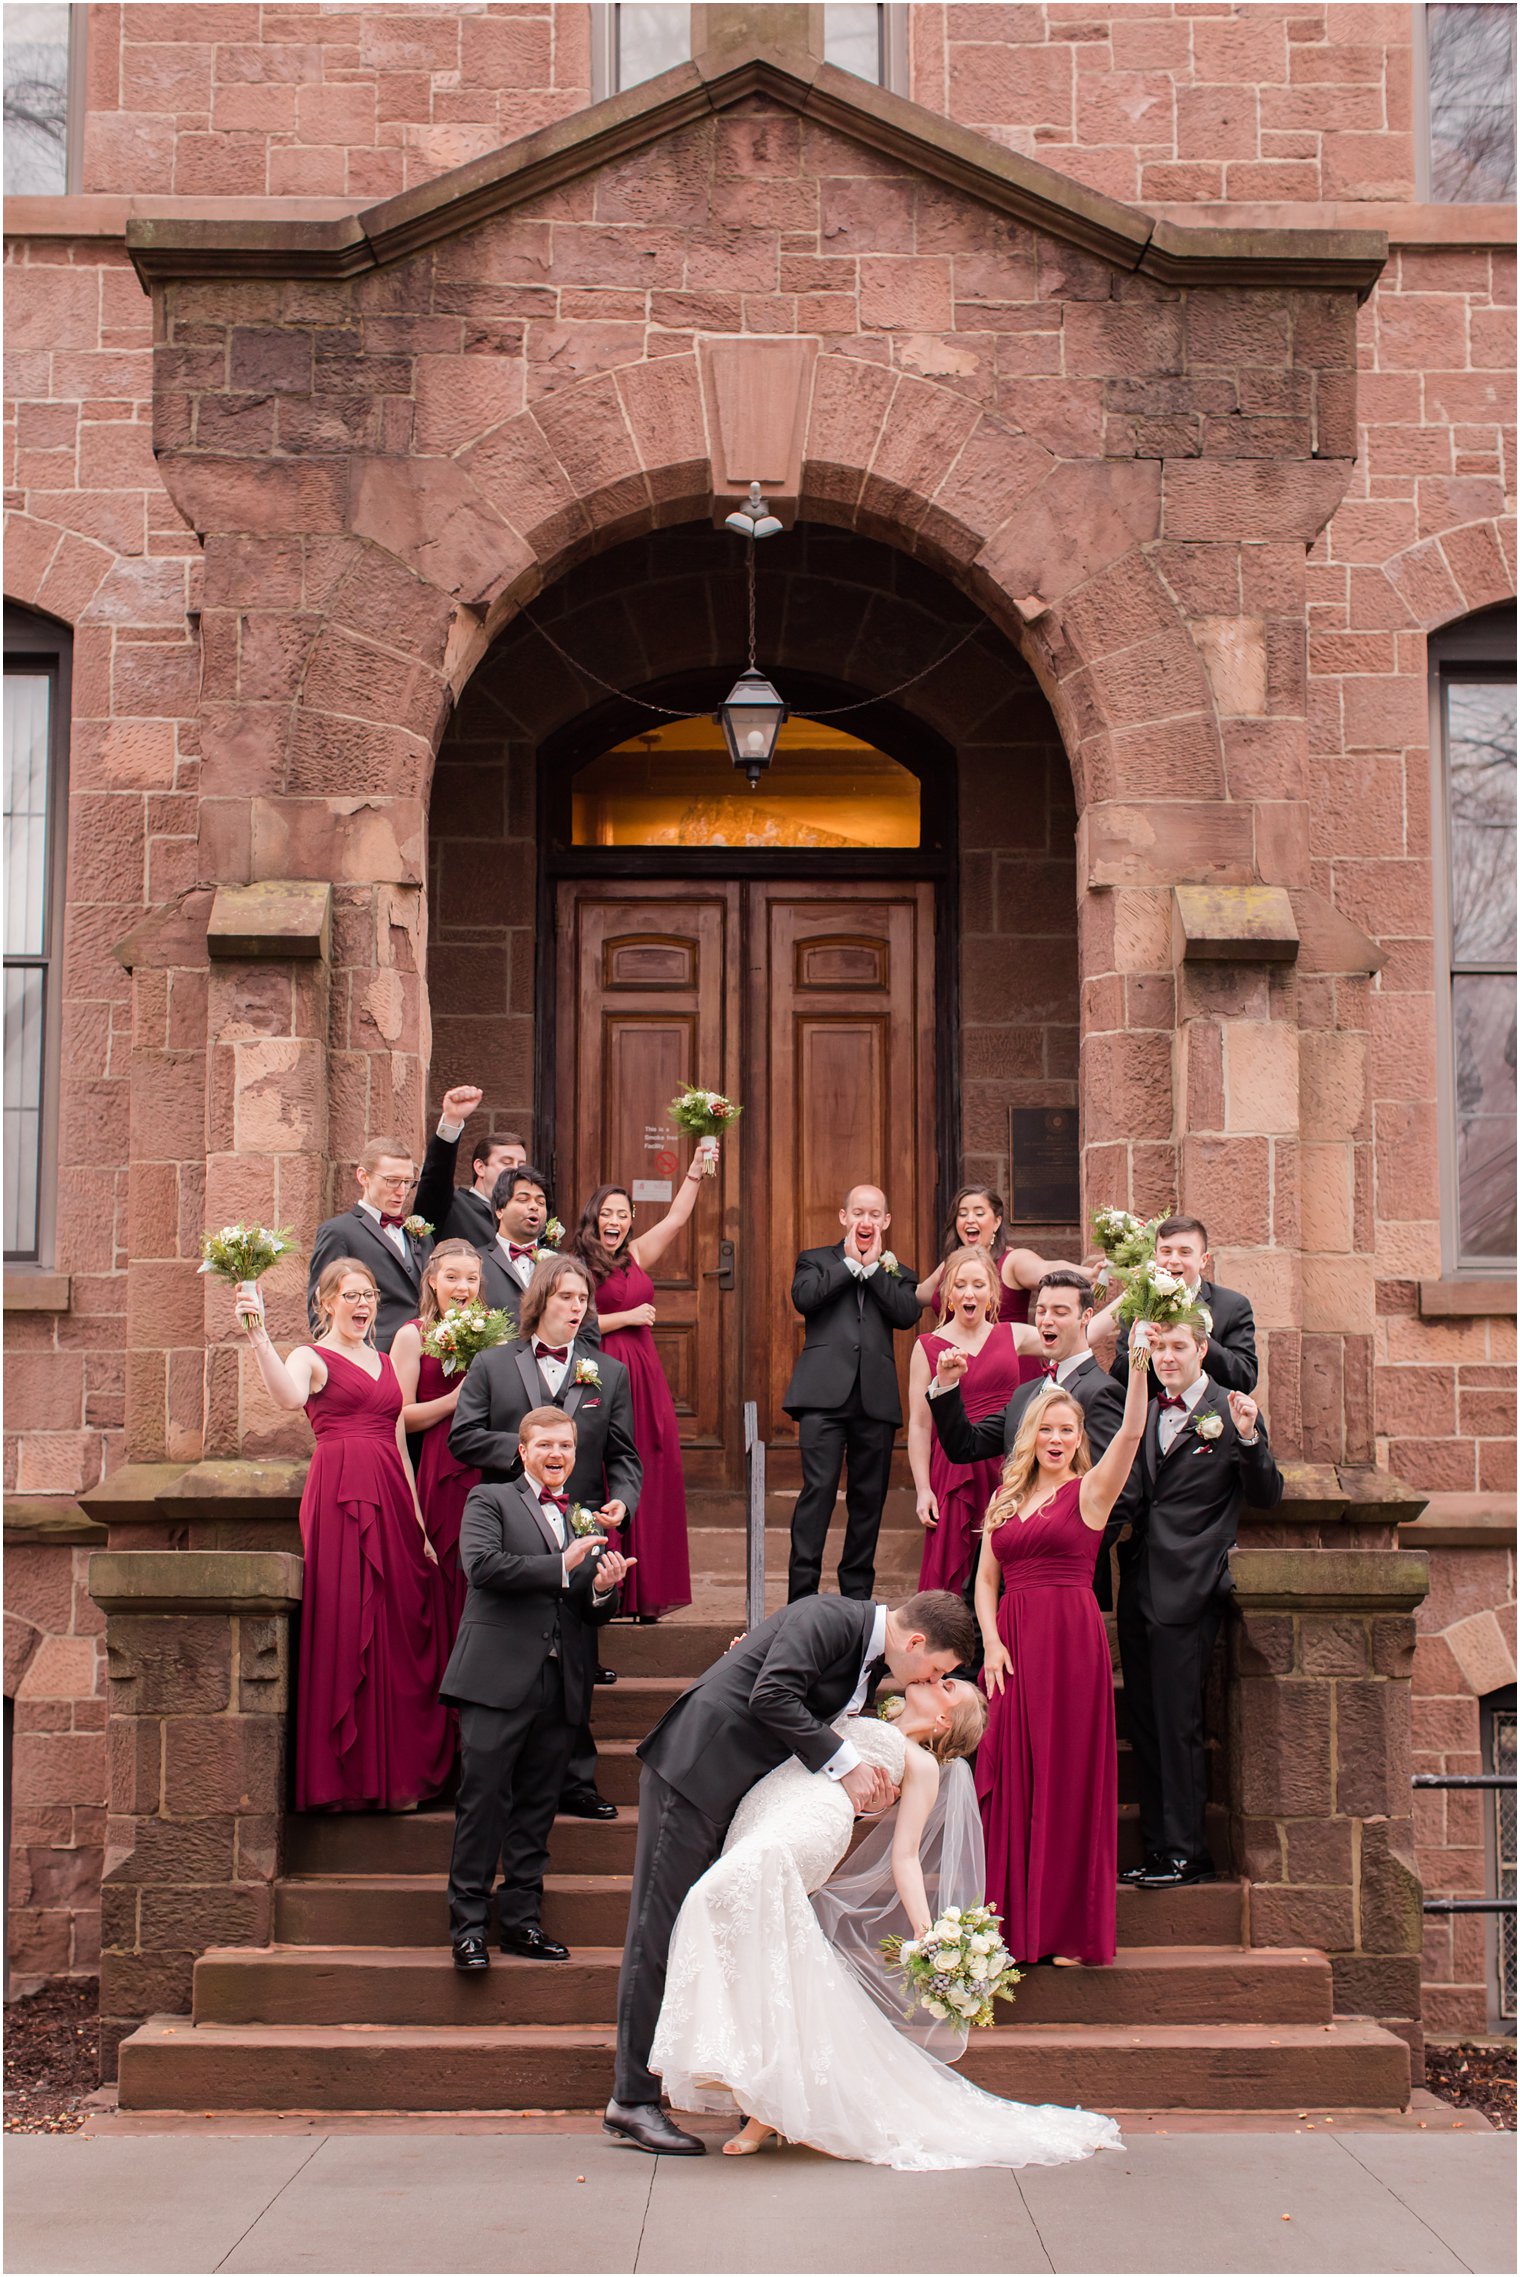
(1488, 1782)
(754, 1518)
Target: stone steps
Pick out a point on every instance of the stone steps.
(170, 2065)
(391, 1985)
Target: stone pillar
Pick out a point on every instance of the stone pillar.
(198, 1655)
(1318, 1668)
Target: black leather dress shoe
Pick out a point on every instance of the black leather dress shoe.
(652, 2130)
(470, 1955)
(588, 1804)
(1174, 1873)
(1133, 1876)
(606, 1676)
(533, 1945)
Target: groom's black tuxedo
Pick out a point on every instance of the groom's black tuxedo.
(773, 1694)
(844, 1395)
(1174, 1583)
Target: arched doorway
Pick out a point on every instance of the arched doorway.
(875, 952)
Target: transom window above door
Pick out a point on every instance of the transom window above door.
(674, 786)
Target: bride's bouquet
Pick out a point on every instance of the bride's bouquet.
(457, 1335)
(1151, 1293)
(958, 1968)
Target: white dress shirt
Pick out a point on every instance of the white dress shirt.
(520, 1268)
(391, 1233)
(860, 1271)
(1175, 1419)
(848, 1754)
(553, 1372)
(1065, 1369)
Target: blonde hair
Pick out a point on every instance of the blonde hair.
(379, 1149)
(945, 1303)
(1022, 1466)
(968, 1722)
(428, 1306)
(331, 1281)
(544, 1419)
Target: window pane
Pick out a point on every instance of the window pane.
(24, 1003)
(28, 703)
(651, 38)
(36, 51)
(1480, 761)
(1483, 1040)
(675, 787)
(1471, 52)
(852, 39)
(1504, 1805)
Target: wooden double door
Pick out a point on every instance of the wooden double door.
(811, 1005)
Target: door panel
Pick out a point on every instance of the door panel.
(646, 985)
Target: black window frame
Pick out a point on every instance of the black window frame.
(34, 643)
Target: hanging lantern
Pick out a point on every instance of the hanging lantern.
(751, 717)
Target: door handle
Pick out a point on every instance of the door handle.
(723, 1271)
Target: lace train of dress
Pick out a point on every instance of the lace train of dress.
(761, 2012)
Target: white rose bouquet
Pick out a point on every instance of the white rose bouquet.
(1151, 1293)
(458, 1334)
(241, 1253)
(957, 1969)
(1125, 1240)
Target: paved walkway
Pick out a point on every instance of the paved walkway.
(1375, 2200)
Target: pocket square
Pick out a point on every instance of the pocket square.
(587, 1404)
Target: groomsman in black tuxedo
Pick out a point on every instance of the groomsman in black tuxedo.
(1204, 1455)
(471, 1214)
(854, 1297)
(554, 1362)
(1063, 1311)
(374, 1230)
(518, 1676)
(520, 1206)
(1182, 1247)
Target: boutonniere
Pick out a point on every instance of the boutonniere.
(587, 1372)
(1209, 1426)
(554, 1234)
(415, 1228)
(582, 1520)
(890, 1265)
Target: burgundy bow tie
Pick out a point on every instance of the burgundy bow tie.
(561, 1502)
(388, 1217)
(1171, 1399)
(517, 1249)
(1051, 1369)
(550, 1352)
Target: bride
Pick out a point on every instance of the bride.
(777, 1999)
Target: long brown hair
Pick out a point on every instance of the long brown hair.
(1023, 1464)
(546, 1279)
(428, 1307)
(586, 1242)
(944, 1303)
(994, 1202)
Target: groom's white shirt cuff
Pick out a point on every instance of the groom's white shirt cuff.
(848, 1754)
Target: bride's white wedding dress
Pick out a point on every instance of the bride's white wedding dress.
(762, 2012)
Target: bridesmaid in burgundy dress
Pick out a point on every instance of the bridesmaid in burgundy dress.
(1047, 1772)
(619, 1266)
(371, 1733)
(451, 1276)
(953, 1497)
(976, 1222)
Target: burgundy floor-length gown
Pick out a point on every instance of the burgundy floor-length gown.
(371, 1733)
(1047, 1771)
(963, 1490)
(661, 1580)
(443, 1484)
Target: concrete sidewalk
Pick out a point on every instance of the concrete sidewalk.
(1374, 2200)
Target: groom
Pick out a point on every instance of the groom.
(774, 1693)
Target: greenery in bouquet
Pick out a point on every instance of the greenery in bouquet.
(457, 1335)
(957, 1969)
(1125, 1240)
(243, 1252)
(706, 1114)
(1151, 1293)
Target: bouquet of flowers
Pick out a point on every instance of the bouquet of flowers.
(707, 1115)
(1125, 1240)
(958, 1968)
(240, 1253)
(458, 1334)
(1151, 1293)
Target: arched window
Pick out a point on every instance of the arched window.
(1472, 690)
(674, 786)
(36, 768)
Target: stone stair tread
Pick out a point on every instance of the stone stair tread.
(436, 1957)
(1353, 2031)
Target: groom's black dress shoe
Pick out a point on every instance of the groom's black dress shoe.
(652, 2129)
(1151, 1863)
(587, 1804)
(533, 1945)
(470, 1954)
(1172, 1873)
(606, 1675)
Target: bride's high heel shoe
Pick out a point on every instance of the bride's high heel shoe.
(752, 2136)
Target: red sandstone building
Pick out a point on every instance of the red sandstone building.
(1135, 386)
